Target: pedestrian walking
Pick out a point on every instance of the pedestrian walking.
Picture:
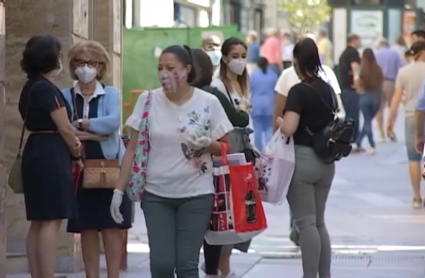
(390, 62)
(286, 50)
(306, 109)
(185, 127)
(409, 82)
(271, 50)
(286, 81)
(370, 88)
(325, 47)
(237, 117)
(401, 47)
(50, 153)
(96, 120)
(253, 53)
(233, 82)
(349, 65)
(262, 82)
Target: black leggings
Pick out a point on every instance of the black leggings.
(212, 258)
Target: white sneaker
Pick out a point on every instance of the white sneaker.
(231, 275)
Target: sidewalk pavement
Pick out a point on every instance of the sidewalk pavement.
(374, 231)
(254, 266)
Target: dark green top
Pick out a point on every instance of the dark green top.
(238, 118)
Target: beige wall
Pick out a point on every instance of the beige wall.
(70, 21)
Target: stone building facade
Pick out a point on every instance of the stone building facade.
(70, 21)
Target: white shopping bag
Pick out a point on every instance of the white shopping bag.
(274, 169)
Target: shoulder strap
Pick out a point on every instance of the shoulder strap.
(21, 140)
(74, 107)
(334, 109)
(228, 93)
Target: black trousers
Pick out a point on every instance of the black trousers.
(212, 258)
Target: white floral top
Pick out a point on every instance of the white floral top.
(174, 170)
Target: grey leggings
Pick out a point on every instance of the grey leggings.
(307, 198)
(176, 230)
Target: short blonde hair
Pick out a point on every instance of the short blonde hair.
(99, 53)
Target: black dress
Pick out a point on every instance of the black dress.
(46, 158)
(94, 204)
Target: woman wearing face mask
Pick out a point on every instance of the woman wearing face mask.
(233, 83)
(49, 154)
(96, 121)
(185, 127)
(237, 118)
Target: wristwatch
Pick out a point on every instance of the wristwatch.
(80, 123)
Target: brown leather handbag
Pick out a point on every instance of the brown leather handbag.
(101, 173)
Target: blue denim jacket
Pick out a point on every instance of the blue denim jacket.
(108, 120)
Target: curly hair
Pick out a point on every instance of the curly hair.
(41, 55)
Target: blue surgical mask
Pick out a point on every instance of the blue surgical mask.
(215, 56)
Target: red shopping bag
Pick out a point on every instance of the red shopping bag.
(238, 213)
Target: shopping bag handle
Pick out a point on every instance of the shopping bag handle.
(223, 152)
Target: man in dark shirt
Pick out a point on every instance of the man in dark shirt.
(348, 72)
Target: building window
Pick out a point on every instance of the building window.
(185, 15)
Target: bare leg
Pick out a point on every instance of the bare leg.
(380, 122)
(32, 245)
(224, 265)
(91, 252)
(47, 247)
(415, 178)
(113, 242)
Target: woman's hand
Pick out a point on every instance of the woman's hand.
(199, 143)
(115, 206)
(77, 164)
(279, 122)
(76, 151)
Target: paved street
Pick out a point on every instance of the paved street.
(375, 233)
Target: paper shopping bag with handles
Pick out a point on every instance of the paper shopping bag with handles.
(238, 213)
(274, 169)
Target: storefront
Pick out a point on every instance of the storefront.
(371, 20)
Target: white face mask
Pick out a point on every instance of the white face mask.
(215, 56)
(85, 74)
(56, 72)
(237, 66)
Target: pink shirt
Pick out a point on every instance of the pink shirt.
(271, 50)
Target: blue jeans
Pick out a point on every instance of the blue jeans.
(350, 100)
(262, 126)
(369, 105)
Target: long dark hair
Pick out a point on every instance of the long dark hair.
(225, 50)
(371, 76)
(204, 68)
(307, 58)
(263, 64)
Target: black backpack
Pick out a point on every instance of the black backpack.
(334, 141)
